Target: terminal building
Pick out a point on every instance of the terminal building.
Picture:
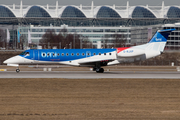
(135, 23)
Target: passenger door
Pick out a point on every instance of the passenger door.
(36, 56)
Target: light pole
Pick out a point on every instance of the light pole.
(70, 45)
(74, 41)
(81, 42)
(59, 45)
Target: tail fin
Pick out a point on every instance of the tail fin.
(158, 41)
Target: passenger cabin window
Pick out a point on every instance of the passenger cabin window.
(67, 54)
(83, 54)
(58, 54)
(77, 54)
(72, 54)
(62, 54)
(109, 53)
(104, 53)
(94, 53)
(99, 53)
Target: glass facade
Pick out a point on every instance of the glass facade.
(173, 12)
(106, 12)
(72, 12)
(141, 12)
(97, 35)
(86, 22)
(37, 11)
(173, 42)
(108, 20)
(113, 22)
(5, 12)
(139, 35)
(95, 29)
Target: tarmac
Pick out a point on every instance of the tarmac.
(91, 74)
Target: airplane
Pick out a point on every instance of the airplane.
(95, 58)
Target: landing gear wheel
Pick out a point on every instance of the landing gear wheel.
(17, 70)
(99, 70)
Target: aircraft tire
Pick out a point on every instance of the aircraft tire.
(99, 70)
(17, 70)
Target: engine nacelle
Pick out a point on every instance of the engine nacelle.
(150, 54)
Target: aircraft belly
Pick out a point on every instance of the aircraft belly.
(131, 59)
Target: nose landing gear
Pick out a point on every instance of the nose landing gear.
(17, 70)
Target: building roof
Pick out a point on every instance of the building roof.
(104, 11)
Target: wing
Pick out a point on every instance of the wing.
(93, 62)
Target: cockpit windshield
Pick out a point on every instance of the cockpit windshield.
(25, 53)
(22, 53)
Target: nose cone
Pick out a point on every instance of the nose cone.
(13, 60)
(6, 61)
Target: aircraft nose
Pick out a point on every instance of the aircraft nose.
(12, 60)
(6, 61)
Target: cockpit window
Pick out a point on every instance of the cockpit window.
(25, 53)
(22, 53)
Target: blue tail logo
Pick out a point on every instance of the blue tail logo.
(161, 35)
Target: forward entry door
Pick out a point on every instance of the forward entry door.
(36, 56)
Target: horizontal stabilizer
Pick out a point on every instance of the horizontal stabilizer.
(166, 30)
(161, 35)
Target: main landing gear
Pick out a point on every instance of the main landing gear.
(98, 70)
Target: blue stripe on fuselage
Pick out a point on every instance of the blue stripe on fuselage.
(56, 54)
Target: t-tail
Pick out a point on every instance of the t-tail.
(158, 41)
(142, 52)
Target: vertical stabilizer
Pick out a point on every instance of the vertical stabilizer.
(157, 42)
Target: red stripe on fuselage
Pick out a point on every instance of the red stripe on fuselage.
(121, 49)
